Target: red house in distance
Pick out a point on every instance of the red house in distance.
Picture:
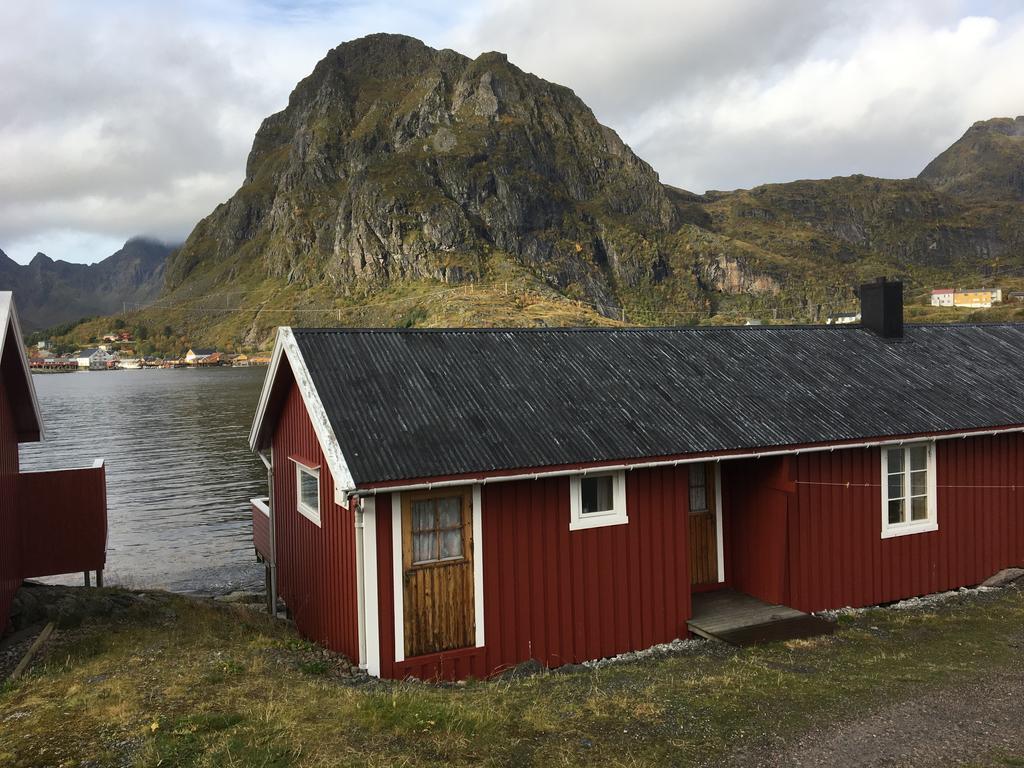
(449, 503)
(51, 522)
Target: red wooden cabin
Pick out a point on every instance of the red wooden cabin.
(51, 522)
(450, 503)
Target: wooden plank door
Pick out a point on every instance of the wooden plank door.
(437, 561)
(703, 525)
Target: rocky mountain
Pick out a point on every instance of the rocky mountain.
(986, 162)
(394, 161)
(52, 292)
(407, 185)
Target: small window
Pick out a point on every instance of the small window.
(698, 488)
(437, 529)
(908, 489)
(597, 500)
(307, 482)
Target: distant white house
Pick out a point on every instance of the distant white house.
(93, 359)
(843, 318)
(196, 355)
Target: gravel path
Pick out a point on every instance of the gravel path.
(976, 724)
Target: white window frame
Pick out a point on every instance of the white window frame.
(616, 516)
(930, 523)
(313, 515)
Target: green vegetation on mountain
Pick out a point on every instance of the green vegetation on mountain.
(404, 185)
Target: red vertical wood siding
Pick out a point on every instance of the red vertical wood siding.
(66, 530)
(838, 558)
(758, 512)
(261, 533)
(316, 573)
(10, 532)
(562, 596)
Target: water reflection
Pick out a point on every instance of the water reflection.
(179, 470)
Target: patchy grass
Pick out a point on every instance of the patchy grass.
(192, 683)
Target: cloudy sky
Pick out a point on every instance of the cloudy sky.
(128, 117)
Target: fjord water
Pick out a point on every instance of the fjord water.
(179, 471)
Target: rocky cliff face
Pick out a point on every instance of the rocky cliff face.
(986, 162)
(52, 292)
(395, 161)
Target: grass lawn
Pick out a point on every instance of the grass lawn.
(181, 682)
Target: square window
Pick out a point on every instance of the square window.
(908, 490)
(307, 490)
(437, 524)
(597, 500)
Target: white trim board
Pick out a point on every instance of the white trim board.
(370, 599)
(285, 346)
(396, 571)
(478, 566)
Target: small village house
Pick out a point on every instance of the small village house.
(449, 503)
(194, 356)
(843, 318)
(51, 522)
(972, 298)
(93, 359)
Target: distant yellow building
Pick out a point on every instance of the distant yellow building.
(974, 298)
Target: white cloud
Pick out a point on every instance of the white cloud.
(741, 92)
(120, 118)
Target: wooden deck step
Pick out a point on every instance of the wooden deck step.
(740, 619)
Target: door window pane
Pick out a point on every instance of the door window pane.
(449, 512)
(451, 543)
(596, 494)
(423, 515)
(424, 547)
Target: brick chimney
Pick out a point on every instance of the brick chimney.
(881, 308)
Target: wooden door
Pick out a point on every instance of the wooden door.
(437, 560)
(703, 525)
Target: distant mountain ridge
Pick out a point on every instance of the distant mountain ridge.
(398, 174)
(52, 292)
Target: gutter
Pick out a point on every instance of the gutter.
(696, 458)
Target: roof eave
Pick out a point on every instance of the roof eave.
(286, 348)
(528, 473)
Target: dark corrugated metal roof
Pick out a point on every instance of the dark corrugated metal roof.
(420, 403)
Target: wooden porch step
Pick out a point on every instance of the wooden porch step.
(740, 619)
